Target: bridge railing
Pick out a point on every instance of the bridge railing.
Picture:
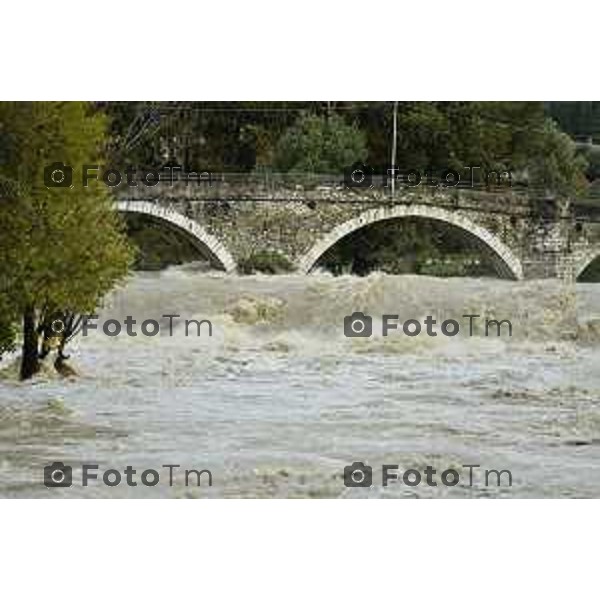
(304, 180)
(268, 184)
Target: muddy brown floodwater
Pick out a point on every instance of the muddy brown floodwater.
(278, 400)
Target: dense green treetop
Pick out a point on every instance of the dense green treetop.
(60, 246)
(243, 136)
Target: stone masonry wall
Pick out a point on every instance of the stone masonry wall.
(546, 238)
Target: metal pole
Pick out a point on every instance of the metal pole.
(394, 143)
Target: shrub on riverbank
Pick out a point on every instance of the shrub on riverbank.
(271, 263)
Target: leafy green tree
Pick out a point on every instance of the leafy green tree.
(320, 144)
(556, 167)
(492, 135)
(448, 134)
(61, 248)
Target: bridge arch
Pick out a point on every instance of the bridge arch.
(586, 260)
(509, 261)
(199, 236)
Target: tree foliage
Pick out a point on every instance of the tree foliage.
(61, 248)
(557, 167)
(325, 136)
(320, 144)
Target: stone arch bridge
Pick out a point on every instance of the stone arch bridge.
(527, 238)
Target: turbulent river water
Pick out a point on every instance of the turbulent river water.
(279, 400)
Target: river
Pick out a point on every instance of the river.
(277, 401)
